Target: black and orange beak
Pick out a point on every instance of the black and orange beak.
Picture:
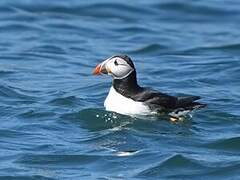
(101, 69)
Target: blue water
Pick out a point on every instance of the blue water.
(53, 124)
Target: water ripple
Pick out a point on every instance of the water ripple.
(232, 144)
(11, 92)
(30, 177)
(151, 48)
(194, 8)
(60, 159)
(176, 164)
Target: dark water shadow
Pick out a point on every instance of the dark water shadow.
(96, 119)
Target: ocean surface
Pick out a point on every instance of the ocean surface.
(53, 124)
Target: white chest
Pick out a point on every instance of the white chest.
(120, 104)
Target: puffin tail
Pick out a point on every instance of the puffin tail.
(189, 103)
(185, 105)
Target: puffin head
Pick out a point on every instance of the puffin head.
(118, 66)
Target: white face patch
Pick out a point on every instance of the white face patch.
(118, 67)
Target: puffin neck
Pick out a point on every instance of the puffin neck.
(127, 86)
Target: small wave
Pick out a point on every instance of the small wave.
(228, 47)
(135, 29)
(93, 87)
(195, 8)
(97, 119)
(96, 10)
(228, 171)
(51, 49)
(6, 133)
(232, 144)
(16, 28)
(12, 92)
(30, 177)
(151, 48)
(66, 101)
(4, 73)
(57, 159)
(6, 10)
(176, 164)
(36, 114)
(233, 48)
(33, 55)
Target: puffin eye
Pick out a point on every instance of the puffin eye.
(115, 62)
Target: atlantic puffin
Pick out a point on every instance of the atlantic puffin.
(127, 97)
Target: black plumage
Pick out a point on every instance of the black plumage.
(129, 88)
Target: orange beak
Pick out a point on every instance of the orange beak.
(97, 70)
(100, 69)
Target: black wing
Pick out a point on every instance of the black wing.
(152, 97)
(166, 101)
